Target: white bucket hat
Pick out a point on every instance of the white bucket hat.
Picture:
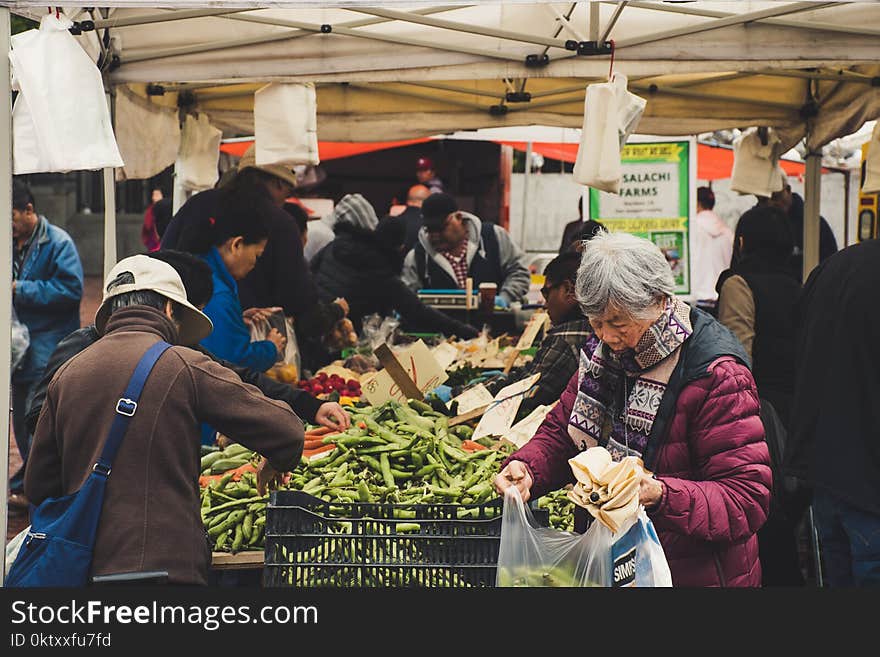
(159, 277)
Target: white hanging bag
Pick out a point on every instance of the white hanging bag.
(872, 163)
(611, 114)
(197, 161)
(60, 121)
(286, 124)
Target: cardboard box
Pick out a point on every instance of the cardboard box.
(417, 361)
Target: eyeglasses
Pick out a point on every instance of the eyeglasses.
(547, 289)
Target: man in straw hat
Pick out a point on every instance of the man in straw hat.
(281, 277)
(150, 519)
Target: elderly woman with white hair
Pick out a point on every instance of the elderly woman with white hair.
(668, 383)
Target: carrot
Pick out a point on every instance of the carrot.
(313, 444)
(320, 431)
(204, 480)
(308, 453)
(471, 446)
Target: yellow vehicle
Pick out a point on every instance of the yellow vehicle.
(868, 206)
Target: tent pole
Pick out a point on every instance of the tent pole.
(303, 29)
(164, 17)
(787, 8)
(564, 22)
(594, 21)
(440, 23)
(525, 197)
(617, 12)
(812, 194)
(780, 22)
(110, 252)
(5, 263)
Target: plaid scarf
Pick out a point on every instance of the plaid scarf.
(619, 394)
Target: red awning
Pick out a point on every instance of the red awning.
(713, 162)
(331, 150)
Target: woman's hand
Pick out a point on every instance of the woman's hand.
(278, 340)
(255, 315)
(650, 491)
(514, 474)
(333, 416)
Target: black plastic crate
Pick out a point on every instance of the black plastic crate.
(311, 542)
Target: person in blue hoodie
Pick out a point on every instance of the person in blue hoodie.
(47, 286)
(230, 242)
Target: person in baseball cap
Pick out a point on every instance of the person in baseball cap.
(427, 175)
(141, 273)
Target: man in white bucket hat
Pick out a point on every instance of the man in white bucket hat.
(150, 519)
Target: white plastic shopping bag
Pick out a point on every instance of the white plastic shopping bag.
(60, 121)
(20, 341)
(756, 167)
(872, 163)
(611, 114)
(14, 546)
(196, 166)
(286, 124)
(534, 556)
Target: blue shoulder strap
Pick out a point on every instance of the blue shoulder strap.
(127, 406)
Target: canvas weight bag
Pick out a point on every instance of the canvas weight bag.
(611, 113)
(58, 548)
(286, 124)
(60, 121)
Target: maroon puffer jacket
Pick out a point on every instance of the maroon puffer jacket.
(715, 465)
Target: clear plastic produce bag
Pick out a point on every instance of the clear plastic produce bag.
(376, 330)
(260, 331)
(21, 340)
(532, 555)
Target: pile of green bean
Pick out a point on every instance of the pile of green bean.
(560, 508)
(401, 454)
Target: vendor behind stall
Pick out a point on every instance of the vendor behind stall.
(557, 358)
(454, 245)
(363, 266)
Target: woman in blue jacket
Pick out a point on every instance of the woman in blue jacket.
(230, 243)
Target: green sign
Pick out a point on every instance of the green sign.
(654, 201)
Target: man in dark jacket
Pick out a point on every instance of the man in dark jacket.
(47, 285)
(150, 517)
(412, 215)
(196, 277)
(834, 443)
(558, 356)
(281, 276)
(363, 266)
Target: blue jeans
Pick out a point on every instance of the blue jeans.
(850, 541)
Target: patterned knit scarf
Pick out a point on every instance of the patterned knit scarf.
(619, 394)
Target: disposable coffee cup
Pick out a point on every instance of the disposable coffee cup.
(487, 296)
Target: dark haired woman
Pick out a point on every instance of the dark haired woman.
(231, 242)
(756, 301)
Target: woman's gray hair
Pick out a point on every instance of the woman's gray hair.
(622, 271)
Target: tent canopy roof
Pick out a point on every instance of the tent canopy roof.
(413, 69)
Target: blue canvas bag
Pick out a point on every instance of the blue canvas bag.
(58, 549)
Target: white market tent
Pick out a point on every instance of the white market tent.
(411, 69)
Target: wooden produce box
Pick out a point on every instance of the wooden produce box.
(251, 559)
